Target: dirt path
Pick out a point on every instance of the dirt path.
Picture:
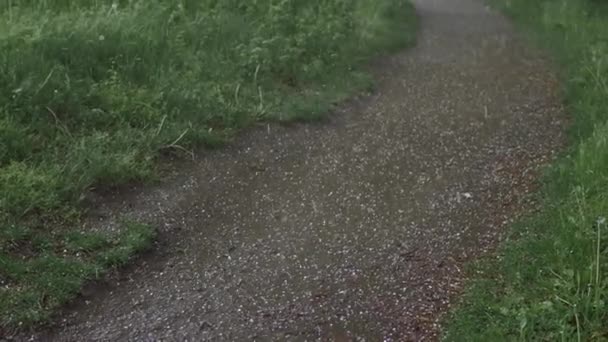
(356, 228)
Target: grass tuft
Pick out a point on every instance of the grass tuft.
(40, 272)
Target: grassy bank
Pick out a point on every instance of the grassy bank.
(92, 92)
(550, 279)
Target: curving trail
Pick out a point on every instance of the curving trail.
(356, 228)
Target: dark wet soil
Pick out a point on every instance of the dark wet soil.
(356, 229)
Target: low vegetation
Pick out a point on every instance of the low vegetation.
(550, 280)
(92, 92)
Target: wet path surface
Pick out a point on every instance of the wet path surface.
(353, 229)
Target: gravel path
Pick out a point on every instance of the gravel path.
(355, 229)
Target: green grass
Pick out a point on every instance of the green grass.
(41, 271)
(93, 92)
(549, 281)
